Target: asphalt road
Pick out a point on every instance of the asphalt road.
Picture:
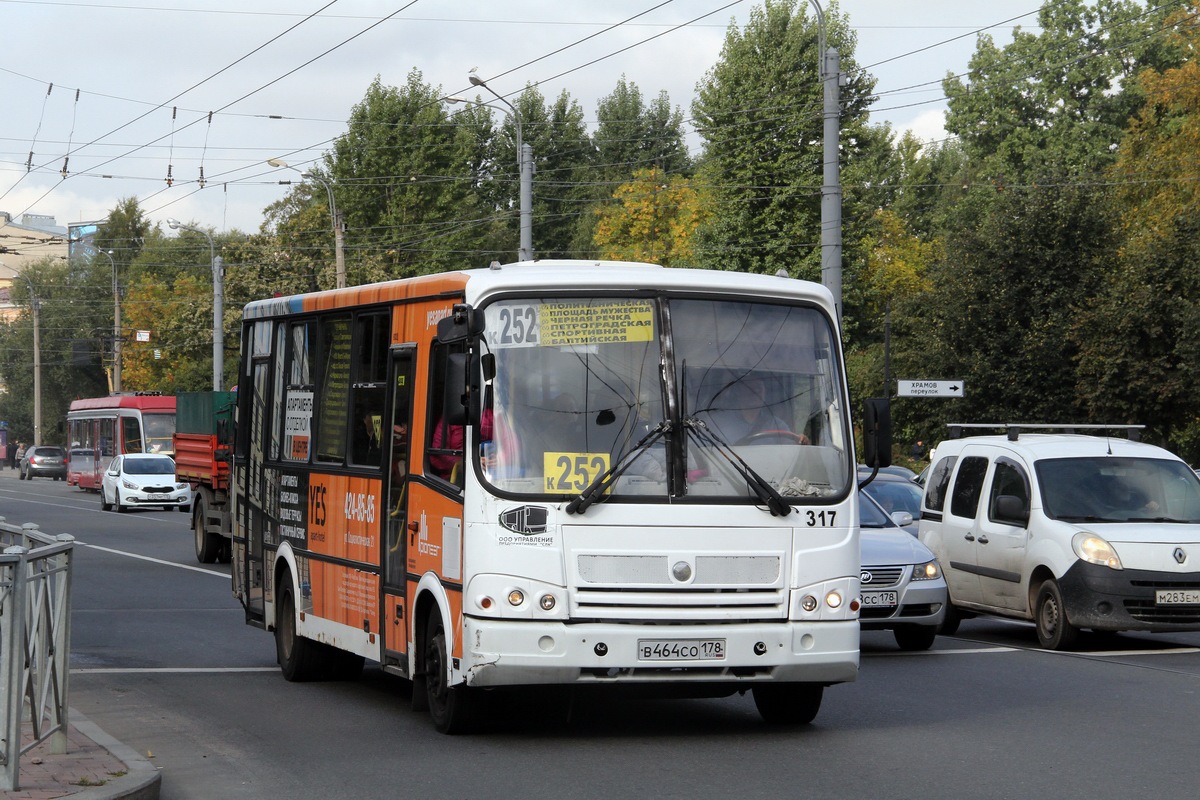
(161, 659)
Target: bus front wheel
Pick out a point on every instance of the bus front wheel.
(788, 703)
(451, 706)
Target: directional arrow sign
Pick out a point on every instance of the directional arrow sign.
(930, 388)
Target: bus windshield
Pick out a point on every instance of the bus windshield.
(670, 397)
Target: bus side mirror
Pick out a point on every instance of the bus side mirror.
(461, 394)
(463, 323)
(877, 433)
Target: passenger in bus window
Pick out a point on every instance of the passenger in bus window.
(366, 440)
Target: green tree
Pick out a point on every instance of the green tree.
(759, 111)
(398, 173)
(1139, 341)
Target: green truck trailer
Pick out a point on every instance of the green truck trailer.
(203, 449)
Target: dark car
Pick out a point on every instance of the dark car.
(43, 461)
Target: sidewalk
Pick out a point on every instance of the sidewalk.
(95, 767)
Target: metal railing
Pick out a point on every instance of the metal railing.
(35, 641)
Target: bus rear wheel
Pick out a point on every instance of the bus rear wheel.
(452, 707)
(788, 703)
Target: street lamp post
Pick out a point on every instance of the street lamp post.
(828, 68)
(339, 245)
(524, 169)
(218, 305)
(36, 308)
(116, 372)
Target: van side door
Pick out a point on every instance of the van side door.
(1002, 536)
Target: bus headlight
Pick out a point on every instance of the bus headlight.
(834, 599)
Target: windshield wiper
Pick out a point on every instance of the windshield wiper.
(595, 490)
(764, 491)
(1162, 519)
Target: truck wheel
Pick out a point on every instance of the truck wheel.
(1053, 630)
(788, 703)
(299, 659)
(208, 545)
(452, 707)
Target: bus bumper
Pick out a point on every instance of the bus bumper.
(517, 653)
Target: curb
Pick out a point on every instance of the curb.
(142, 781)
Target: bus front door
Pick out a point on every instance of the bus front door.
(394, 613)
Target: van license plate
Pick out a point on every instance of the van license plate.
(1180, 597)
(680, 649)
(878, 599)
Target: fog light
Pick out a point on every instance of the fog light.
(516, 597)
(833, 599)
(547, 602)
(809, 603)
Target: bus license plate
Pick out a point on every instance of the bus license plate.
(680, 649)
(878, 599)
(1182, 597)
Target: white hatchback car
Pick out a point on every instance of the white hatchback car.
(143, 479)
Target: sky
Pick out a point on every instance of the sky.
(139, 98)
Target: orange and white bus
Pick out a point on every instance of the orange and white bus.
(100, 428)
(544, 473)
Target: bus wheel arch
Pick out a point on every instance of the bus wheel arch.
(300, 659)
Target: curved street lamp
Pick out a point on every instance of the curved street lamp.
(218, 305)
(334, 214)
(524, 168)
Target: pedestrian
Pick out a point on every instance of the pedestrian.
(918, 450)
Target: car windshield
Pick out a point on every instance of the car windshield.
(871, 515)
(48, 452)
(895, 495)
(742, 402)
(1117, 489)
(149, 466)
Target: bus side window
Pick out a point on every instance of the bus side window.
(445, 442)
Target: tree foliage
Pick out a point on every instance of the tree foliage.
(653, 220)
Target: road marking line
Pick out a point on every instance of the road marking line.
(156, 560)
(167, 670)
(952, 652)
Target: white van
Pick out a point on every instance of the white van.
(1071, 531)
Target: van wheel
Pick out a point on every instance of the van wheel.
(452, 707)
(950, 620)
(1054, 631)
(788, 703)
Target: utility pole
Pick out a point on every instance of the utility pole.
(829, 69)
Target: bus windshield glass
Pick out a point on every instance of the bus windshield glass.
(664, 397)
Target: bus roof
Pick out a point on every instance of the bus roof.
(540, 275)
(146, 402)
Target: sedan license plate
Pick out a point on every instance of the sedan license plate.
(878, 599)
(1181, 597)
(681, 649)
